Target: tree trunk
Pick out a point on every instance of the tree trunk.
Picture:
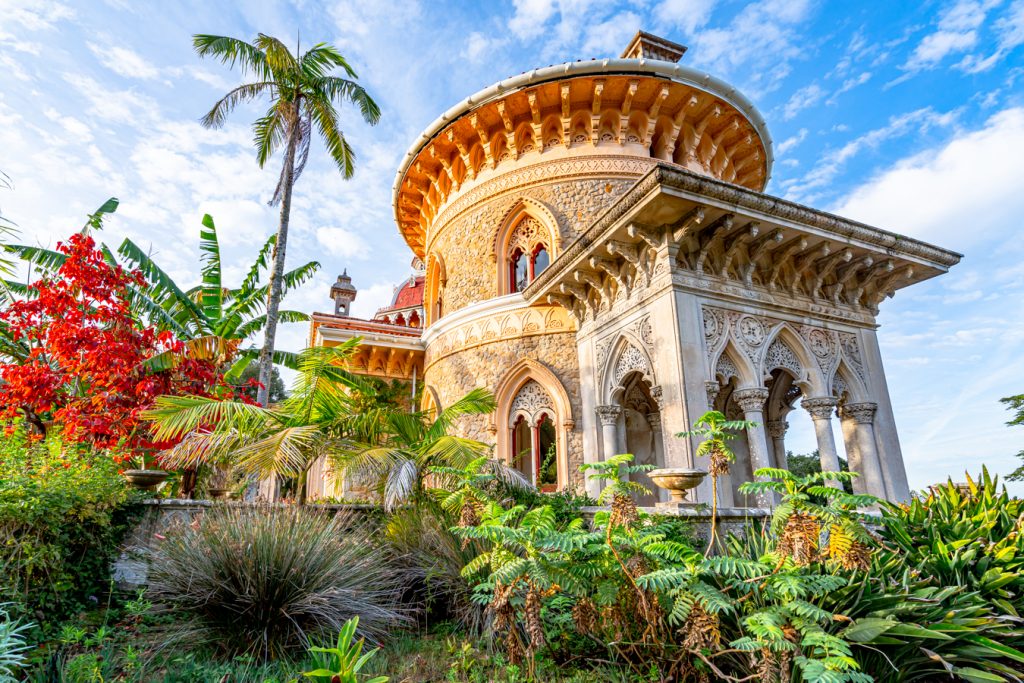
(277, 271)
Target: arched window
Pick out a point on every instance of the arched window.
(436, 279)
(400, 319)
(527, 253)
(414, 319)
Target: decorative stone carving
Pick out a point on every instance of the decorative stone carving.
(632, 359)
(751, 330)
(533, 401)
(781, 356)
(776, 428)
(751, 400)
(654, 420)
(820, 408)
(819, 342)
(528, 233)
(644, 331)
(609, 415)
(712, 389)
(656, 395)
(838, 387)
(636, 399)
(726, 368)
(861, 413)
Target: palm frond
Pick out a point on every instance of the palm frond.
(326, 120)
(213, 290)
(218, 114)
(341, 89)
(176, 416)
(278, 57)
(318, 61)
(252, 278)
(287, 452)
(233, 51)
(268, 134)
(46, 260)
(161, 286)
(478, 401)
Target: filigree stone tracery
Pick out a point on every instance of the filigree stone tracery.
(631, 359)
(726, 368)
(528, 233)
(532, 401)
(781, 356)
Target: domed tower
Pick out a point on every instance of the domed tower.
(500, 185)
(600, 253)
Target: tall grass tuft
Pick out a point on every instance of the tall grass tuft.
(267, 581)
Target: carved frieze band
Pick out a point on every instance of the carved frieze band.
(750, 335)
(507, 326)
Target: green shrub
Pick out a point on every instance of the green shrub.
(267, 581)
(63, 514)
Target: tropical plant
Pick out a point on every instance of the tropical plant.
(87, 362)
(403, 447)
(282, 440)
(809, 510)
(303, 92)
(13, 645)
(212, 319)
(343, 662)
(716, 432)
(268, 582)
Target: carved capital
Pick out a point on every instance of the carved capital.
(776, 428)
(820, 408)
(656, 395)
(654, 420)
(608, 415)
(861, 413)
(712, 388)
(751, 400)
(569, 425)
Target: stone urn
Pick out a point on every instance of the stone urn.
(146, 480)
(677, 481)
(220, 494)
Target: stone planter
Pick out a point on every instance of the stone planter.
(678, 481)
(146, 480)
(220, 494)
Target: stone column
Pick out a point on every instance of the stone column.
(777, 432)
(751, 402)
(863, 457)
(658, 449)
(609, 416)
(821, 410)
(534, 453)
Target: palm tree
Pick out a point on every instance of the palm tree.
(717, 432)
(407, 447)
(282, 440)
(303, 92)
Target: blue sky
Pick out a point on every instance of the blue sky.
(908, 116)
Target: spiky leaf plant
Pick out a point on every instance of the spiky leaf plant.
(13, 647)
(266, 582)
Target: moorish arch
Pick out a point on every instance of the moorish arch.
(525, 243)
(436, 279)
(627, 356)
(533, 405)
(430, 402)
(785, 349)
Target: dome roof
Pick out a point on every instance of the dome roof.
(502, 123)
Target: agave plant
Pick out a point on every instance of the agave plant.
(268, 582)
(13, 647)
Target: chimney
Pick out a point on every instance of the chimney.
(343, 294)
(648, 46)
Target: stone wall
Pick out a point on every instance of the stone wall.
(466, 243)
(485, 366)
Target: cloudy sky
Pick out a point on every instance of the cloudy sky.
(908, 116)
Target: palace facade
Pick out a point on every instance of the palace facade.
(593, 243)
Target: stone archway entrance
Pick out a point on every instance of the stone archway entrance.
(641, 418)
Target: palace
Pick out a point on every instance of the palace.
(593, 244)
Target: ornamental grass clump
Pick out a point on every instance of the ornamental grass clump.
(265, 582)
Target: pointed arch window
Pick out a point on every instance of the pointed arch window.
(527, 253)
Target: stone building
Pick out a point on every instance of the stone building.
(600, 253)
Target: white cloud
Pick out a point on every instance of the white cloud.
(117, 106)
(530, 17)
(35, 15)
(686, 15)
(1009, 31)
(957, 31)
(802, 99)
(372, 298)
(849, 84)
(610, 37)
(478, 45)
(826, 170)
(962, 194)
(124, 62)
(343, 243)
(791, 142)
(759, 42)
